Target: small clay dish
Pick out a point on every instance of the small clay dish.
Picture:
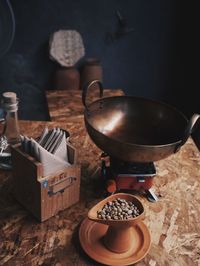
(92, 214)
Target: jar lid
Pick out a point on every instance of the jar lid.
(92, 61)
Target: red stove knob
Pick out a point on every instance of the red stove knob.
(111, 186)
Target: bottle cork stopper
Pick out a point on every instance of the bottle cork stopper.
(9, 97)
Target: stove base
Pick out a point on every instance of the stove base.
(120, 175)
(111, 188)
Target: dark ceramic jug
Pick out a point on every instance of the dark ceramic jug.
(67, 78)
(91, 70)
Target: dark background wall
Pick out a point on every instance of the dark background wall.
(156, 61)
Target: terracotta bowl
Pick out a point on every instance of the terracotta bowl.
(119, 235)
(92, 214)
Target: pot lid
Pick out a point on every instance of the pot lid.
(7, 26)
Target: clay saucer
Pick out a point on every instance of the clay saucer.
(115, 242)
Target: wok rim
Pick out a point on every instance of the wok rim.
(86, 115)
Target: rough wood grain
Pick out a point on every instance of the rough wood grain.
(173, 221)
(68, 104)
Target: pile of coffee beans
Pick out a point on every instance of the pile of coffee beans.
(118, 209)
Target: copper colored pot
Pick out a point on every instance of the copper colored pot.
(135, 129)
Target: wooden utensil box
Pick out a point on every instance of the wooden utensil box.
(44, 196)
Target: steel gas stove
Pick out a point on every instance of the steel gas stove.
(121, 175)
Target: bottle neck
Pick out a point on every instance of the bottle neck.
(12, 114)
(11, 127)
(10, 107)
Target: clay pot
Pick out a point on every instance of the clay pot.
(91, 70)
(67, 78)
(119, 236)
(115, 242)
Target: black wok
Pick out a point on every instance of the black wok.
(135, 129)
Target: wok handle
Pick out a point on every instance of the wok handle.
(86, 88)
(188, 130)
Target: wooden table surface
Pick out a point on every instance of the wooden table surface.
(173, 221)
(68, 104)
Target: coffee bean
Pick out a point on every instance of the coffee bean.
(118, 209)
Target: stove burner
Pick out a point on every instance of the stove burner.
(122, 175)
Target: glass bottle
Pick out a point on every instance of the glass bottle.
(10, 134)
